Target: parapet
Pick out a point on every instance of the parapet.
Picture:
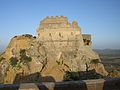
(57, 22)
(56, 19)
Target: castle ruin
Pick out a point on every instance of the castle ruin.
(62, 33)
(58, 47)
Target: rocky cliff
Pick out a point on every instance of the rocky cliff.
(49, 54)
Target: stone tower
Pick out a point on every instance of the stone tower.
(62, 33)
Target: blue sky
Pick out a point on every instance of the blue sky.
(100, 18)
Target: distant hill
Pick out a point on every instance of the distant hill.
(110, 58)
(109, 55)
(108, 51)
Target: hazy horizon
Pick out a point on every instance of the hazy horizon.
(100, 18)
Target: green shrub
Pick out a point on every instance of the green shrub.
(82, 75)
(69, 76)
(26, 59)
(13, 61)
(22, 52)
(23, 57)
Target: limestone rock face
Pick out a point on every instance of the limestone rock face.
(58, 47)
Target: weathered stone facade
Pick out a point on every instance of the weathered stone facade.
(62, 33)
(58, 47)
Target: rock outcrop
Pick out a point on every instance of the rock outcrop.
(58, 47)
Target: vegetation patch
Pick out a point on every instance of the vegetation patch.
(13, 61)
(82, 75)
(23, 59)
(27, 35)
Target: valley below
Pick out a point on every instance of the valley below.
(110, 58)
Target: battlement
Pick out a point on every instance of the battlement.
(57, 17)
(57, 22)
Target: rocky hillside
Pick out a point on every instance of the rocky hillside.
(26, 55)
(59, 47)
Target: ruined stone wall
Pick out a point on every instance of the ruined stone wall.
(55, 25)
(57, 34)
(61, 38)
(59, 31)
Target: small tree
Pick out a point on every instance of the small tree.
(13, 61)
(69, 76)
(22, 52)
(23, 57)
